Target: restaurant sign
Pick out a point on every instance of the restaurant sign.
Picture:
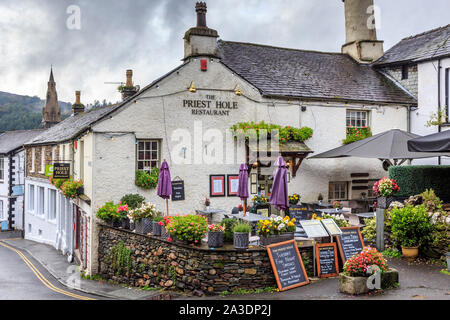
(61, 171)
(210, 107)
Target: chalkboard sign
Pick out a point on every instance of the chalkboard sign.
(177, 190)
(326, 258)
(61, 171)
(350, 242)
(300, 213)
(287, 265)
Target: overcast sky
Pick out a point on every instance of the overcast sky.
(146, 36)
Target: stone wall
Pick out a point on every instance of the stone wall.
(161, 264)
(411, 84)
(39, 171)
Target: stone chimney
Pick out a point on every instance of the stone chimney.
(129, 90)
(200, 40)
(361, 34)
(77, 107)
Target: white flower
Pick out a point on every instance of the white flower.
(281, 226)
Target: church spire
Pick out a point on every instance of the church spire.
(51, 113)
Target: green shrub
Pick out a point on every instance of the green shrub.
(228, 233)
(147, 180)
(132, 200)
(108, 211)
(190, 228)
(414, 180)
(370, 230)
(242, 227)
(120, 257)
(411, 226)
(356, 134)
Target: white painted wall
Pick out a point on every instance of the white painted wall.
(428, 103)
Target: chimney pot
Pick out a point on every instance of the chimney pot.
(77, 107)
(201, 10)
(129, 78)
(77, 97)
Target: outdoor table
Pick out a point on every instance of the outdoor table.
(252, 218)
(366, 215)
(209, 213)
(332, 211)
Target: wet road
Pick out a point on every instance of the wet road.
(22, 278)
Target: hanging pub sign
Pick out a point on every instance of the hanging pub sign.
(350, 242)
(287, 265)
(326, 258)
(61, 171)
(178, 190)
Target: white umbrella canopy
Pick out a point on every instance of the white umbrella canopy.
(389, 145)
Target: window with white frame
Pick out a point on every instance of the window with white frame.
(147, 155)
(51, 204)
(42, 160)
(1, 210)
(41, 201)
(357, 119)
(370, 192)
(338, 190)
(31, 197)
(2, 169)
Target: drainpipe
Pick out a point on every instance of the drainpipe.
(439, 100)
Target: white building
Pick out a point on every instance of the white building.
(421, 64)
(12, 174)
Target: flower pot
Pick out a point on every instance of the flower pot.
(125, 223)
(139, 226)
(156, 228)
(241, 240)
(215, 239)
(80, 191)
(116, 223)
(358, 285)
(410, 253)
(164, 234)
(384, 202)
(109, 223)
(147, 225)
(265, 241)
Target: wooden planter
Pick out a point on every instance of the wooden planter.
(265, 241)
(358, 285)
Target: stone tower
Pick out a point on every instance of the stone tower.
(51, 113)
(361, 34)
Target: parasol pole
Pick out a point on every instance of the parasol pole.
(244, 207)
(167, 207)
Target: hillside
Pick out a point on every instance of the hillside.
(19, 112)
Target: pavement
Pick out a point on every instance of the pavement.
(418, 280)
(55, 270)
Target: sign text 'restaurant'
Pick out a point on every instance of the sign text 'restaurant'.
(210, 108)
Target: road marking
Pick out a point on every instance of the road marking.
(46, 282)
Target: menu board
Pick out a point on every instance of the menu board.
(178, 190)
(314, 228)
(326, 258)
(287, 265)
(331, 226)
(350, 242)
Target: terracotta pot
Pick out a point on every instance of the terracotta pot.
(410, 252)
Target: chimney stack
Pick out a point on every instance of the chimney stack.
(129, 90)
(361, 34)
(200, 41)
(77, 107)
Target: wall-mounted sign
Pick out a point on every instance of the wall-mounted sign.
(210, 107)
(217, 185)
(17, 191)
(233, 185)
(61, 171)
(178, 190)
(327, 263)
(48, 170)
(287, 265)
(350, 242)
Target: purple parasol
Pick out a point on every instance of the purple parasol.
(164, 182)
(279, 196)
(243, 182)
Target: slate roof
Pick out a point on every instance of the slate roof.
(72, 126)
(13, 140)
(429, 45)
(309, 74)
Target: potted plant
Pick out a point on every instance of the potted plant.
(320, 198)
(411, 228)
(143, 217)
(156, 225)
(188, 228)
(275, 230)
(241, 235)
(337, 205)
(385, 189)
(228, 229)
(207, 204)
(107, 213)
(294, 199)
(122, 211)
(72, 188)
(215, 236)
(259, 199)
(164, 223)
(357, 270)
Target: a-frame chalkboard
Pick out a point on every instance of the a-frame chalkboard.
(327, 260)
(350, 242)
(287, 265)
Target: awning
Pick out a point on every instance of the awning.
(438, 142)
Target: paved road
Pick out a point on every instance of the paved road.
(22, 278)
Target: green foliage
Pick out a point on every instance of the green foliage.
(431, 201)
(190, 228)
(146, 210)
(370, 230)
(241, 292)
(120, 257)
(284, 134)
(147, 180)
(242, 227)
(392, 253)
(444, 271)
(228, 233)
(414, 180)
(411, 226)
(132, 200)
(342, 223)
(108, 211)
(70, 188)
(356, 134)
